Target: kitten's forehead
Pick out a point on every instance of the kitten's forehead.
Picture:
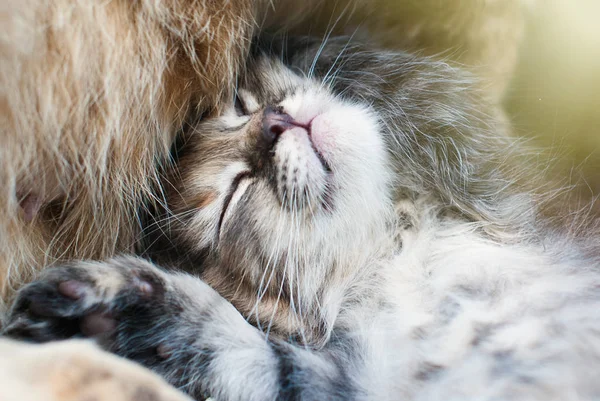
(270, 80)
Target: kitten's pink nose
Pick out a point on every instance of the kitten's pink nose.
(275, 123)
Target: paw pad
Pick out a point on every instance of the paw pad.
(73, 289)
(97, 323)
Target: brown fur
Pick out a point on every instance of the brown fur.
(93, 92)
(75, 371)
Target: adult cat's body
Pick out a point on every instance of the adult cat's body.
(369, 228)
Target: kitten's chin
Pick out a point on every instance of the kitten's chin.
(302, 174)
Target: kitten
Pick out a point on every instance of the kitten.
(355, 226)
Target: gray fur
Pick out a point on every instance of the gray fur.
(406, 258)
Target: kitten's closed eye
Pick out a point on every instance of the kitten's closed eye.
(232, 190)
(288, 162)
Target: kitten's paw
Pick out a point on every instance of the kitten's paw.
(84, 299)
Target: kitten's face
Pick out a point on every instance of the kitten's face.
(293, 181)
(289, 173)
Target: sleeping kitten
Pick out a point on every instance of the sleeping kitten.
(355, 226)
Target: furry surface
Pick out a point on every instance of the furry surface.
(357, 226)
(92, 94)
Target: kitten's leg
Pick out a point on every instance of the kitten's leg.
(181, 328)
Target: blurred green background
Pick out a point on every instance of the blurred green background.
(555, 96)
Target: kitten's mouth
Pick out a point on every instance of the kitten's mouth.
(324, 163)
(327, 199)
